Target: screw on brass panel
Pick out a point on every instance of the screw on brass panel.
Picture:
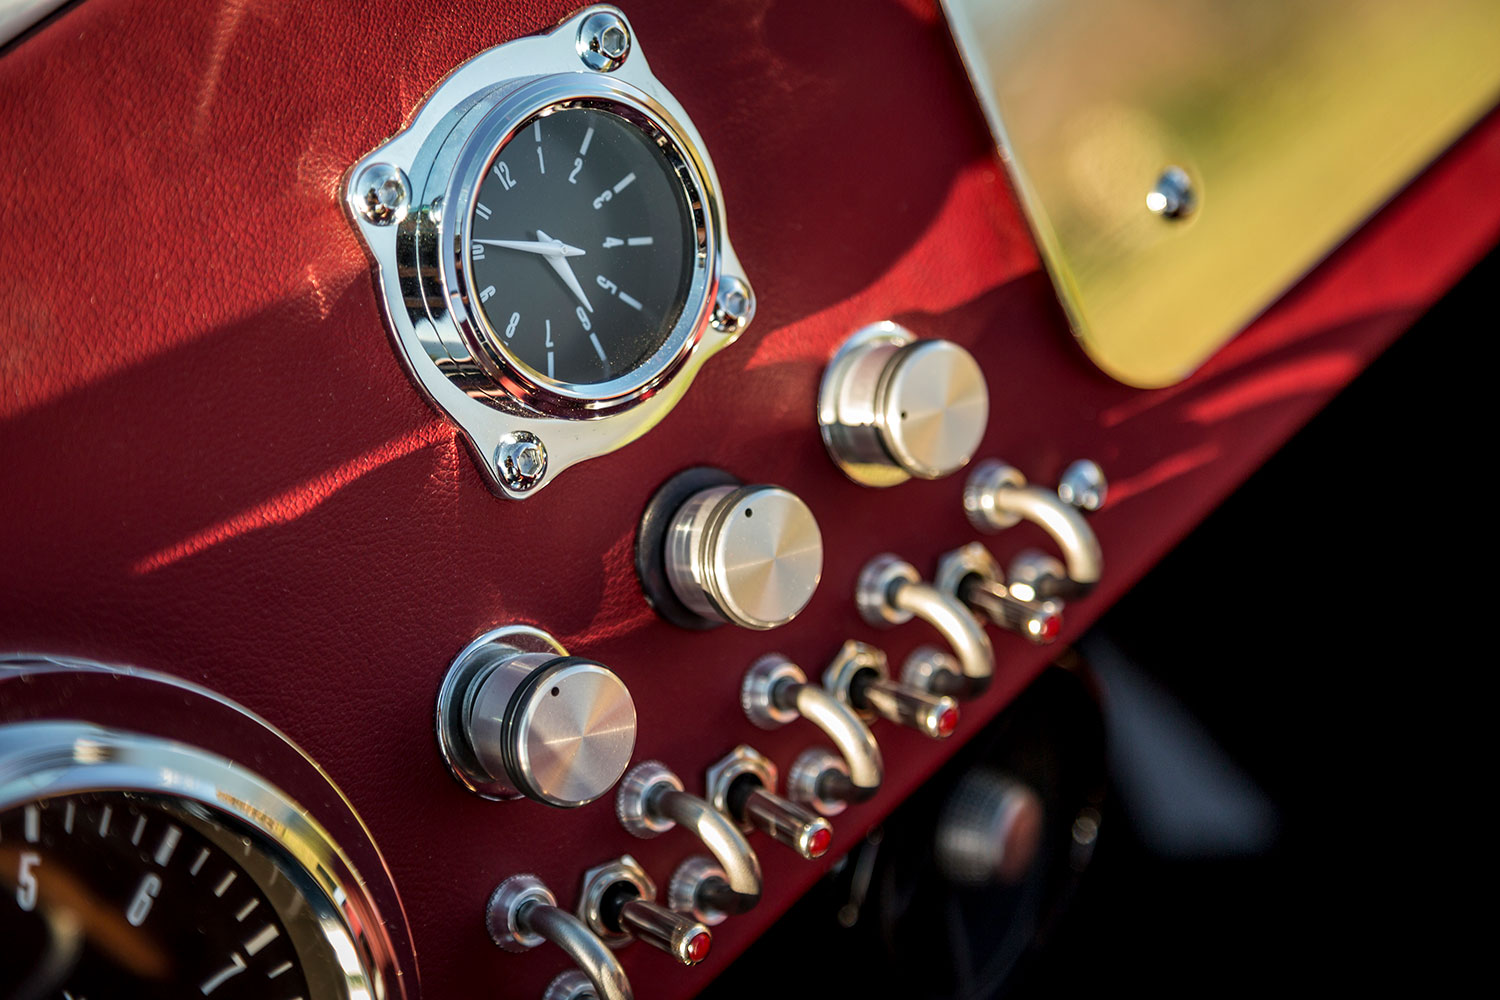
(1173, 197)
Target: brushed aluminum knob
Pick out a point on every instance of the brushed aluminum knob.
(989, 830)
(750, 555)
(540, 724)
(892, 407)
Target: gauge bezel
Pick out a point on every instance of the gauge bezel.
(512, 116)
(69, 697)
(53, 759)
(416, 241)
(43, 760)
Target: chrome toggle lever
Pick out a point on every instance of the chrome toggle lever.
(973, 576)
(891, 592)
(859, 676)
(997, 496)
(651, 801)
(775, 692)
(522, 913)
(742, 786)
(616, 903)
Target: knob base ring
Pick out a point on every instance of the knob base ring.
(850, 435)
(477, 658)
(651, 543)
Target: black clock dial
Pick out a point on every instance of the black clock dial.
(113, 894)
(583, 245)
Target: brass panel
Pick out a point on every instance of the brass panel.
(1294, 120)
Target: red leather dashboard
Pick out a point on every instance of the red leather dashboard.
(216, 467)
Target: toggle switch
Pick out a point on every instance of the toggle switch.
(859, 676)
(973, 576)
(651, 801)
(711, 550)
(517, 716)
(775, 692)
(698, 887)
(1033, 573)
(522, 914)
(570, 984)
(891, 407)
(891, 592)
(997, 496)
(617, 904)
(743, 786)
(821, 778)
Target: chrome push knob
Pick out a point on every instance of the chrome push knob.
(859, 676)
(523, 913)
(651, 801)
(517, 716)
(997, 497)
(616, 903)
(712, 550)
(891, 592)
(775, 692)
(989, 831)
(973, 576)
(891, 406)
(742, 786)
(748, 555)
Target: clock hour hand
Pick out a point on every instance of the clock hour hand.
(551, 248)
(564, 270)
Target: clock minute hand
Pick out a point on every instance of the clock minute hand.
(564, 270)
(551, 248)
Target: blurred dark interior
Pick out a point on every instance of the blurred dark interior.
(1255, 769)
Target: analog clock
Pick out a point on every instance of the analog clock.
(582, 246)
(549, 239)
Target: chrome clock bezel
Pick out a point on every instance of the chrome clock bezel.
(512, 116)
(409, 202)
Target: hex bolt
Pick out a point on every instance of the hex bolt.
(521, 460)
(603, 41)
(734, 305)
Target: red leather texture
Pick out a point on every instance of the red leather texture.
(214, 465)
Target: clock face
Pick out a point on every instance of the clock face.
(583, 245)
(119, 894)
